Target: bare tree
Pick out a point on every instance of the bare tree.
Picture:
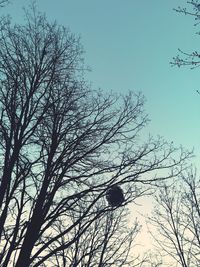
(184, 58)
(177, 219)
(107, 242)
(177, 211)
(64, 145)
(155, 260)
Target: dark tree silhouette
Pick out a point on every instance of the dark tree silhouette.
(100, 244)
(184, 58)
(176, 217)
(63, 145)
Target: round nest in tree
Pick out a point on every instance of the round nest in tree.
(115, 196)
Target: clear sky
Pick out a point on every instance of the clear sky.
(128, 45)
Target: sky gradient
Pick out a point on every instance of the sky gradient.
(129, 45)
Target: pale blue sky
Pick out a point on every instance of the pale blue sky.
(128, 45)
